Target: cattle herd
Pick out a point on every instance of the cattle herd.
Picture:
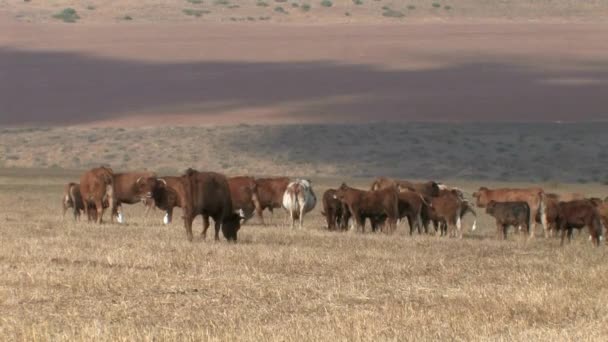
(231, 201)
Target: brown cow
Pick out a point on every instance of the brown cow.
(96, 186)
(270, 193)
(244, 193)
(410, 206)
(446, 211)
(373, 204)
(427, 189)
(336, 213)
(516, 214)
(535, 197)
(208, 194)
(551, 202)
(131, 188)
(578, 214)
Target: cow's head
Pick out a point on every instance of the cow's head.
(341, 192)
(145, 187)
(432, 189)
(490, 207)
(231, 225)
(481, 197)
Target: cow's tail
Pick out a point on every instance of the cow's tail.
(293, 198)
(542, 208)
(72, 197)
(599, 228)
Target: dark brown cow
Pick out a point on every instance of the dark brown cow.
(168, 194)
(410, 206)
(270, 193)
(373, 204)
(96, 186)
(427, 189)
(131, 188)
(244, 193)
(551, 202)
(336, 213)
(535, 197)
(208, 194)
(516, 214)
(578, 214)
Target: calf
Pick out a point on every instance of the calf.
(336, 213)
(516, 214)
(299, 199)
(535, 197)
(578, 214)
(446, 210)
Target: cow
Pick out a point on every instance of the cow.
(168, 194)
(299, 199)
(336, 213)
(270, 193)
(97, 186)
(131, 188)
(410, 206)
(208, 194)
(551, 202)
(446, 211)
(244, 194)
(372, 204)
(578, 214)
(535, 197)
(427, 189)
(516, 214)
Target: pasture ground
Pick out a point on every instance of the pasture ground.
(143, 281)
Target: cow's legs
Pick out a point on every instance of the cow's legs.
(99, 208)
(459, 225)
(302, 216)
(188, 225)
(218, 225)
(533, 224)
(205, 226)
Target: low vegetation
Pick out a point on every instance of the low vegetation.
(67, 15)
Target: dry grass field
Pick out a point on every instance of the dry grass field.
(144, 281)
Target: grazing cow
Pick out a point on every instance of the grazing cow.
(535, 197)
(131, 188)
(372, 204)
(208, 194)
(168, 194)
(336, 213)
(427, 189)
(270, 193)
(578, 214)
(446, 211)
(96, 186)
(516, 214)
(299, 199)
(244, 193)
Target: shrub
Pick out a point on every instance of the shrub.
(411, 7)
(447, 8)
(280, 9)
(326, 3)
(127, 17)
(305, 7)
(68, 15)
(195, 12)
(391, 13)
(233, 6)
(358, 2)
(90, 7)
(195, 2)
(347, 14)
(221, 2)
(436, 5)
(295, 5)
(280, 0)
(251, 18)
(262, 4)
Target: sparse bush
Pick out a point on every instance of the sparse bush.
(281, 10)
(358, 2)
(233, 6)
(326, 3)
(127, 17)
(305, 7)
(68, 15)
(347, 14)
(195, 12)
(262, 4)
(411, 7)
(221, 2)
(447, 7)
(436, 5)
(251, 18)
(391, 13)
(264, 18)
(281, 1)
(295, 5)
(90, 7)
(195, 2)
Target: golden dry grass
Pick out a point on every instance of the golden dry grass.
(144, 281)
